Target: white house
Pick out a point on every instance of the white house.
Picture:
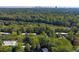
(34, 33)
(4, 33)
(31, 34)
(62, 33)
(23, 34)
(9, 43)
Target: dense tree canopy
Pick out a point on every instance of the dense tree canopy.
(33, 29)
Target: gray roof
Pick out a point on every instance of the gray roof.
(44, 49)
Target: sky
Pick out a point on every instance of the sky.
(45, 3)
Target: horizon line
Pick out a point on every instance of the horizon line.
(36, 7)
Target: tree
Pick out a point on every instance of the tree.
(5, 49)
(27, 47)
(19, 48)
(19, 32)
(53, 33)
(75, 41)
(14, 33)
(44, 41)
(0, 42)
(34, 41)
(70, 35)
(61, 45)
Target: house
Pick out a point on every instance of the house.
(23, 46)
(34, 33)
(9, 43)
(44, 50)
(23, 34)
(31, 34)
(4, 33)
(61, 33)
(27, 33)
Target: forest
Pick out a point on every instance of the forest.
(39, 29)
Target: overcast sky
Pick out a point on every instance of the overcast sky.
(51, 3)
